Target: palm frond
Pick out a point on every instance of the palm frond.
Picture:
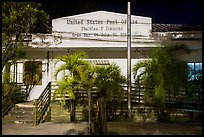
(165, 73)
(80, 71)
(108, 80)
(139, 65)
(61, 68)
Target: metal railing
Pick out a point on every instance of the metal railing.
(137, 97)
(10, 98)
(42, 104)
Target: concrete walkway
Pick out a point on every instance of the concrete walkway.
(114, 128)
(47, 128)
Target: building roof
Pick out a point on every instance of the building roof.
(175, 27)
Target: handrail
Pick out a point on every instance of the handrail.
(42, 104)
(7, 93)
(9, 99)
(137, 96)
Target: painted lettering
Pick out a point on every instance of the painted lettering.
(113, 22)
(86, 35)
(123, 21)
(114, 28)
(94, 22)
(74, 22)
(89, 28)
(75, 35)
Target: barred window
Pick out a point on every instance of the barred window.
(16, 72)
(195, 70)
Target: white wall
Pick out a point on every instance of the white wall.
(38, 89)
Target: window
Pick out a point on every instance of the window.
(100, 62)
(33, 73)
(195, 70)
(16, 72)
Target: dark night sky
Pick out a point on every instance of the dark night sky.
(161, 11)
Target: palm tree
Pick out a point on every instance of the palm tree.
(87, 82)
(79, 74)
(108, 81)
(165, 73)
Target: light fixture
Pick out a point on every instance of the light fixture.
(137, 51)
(68, 51)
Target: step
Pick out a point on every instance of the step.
(23, 113)
(27, 117)
(9, 118)
(22, 121)
(19, 120)
(14, 112)
(20, 115)
(25, 104)
(28, 105)
(22, 109)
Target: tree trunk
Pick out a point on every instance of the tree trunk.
(101, 120)
(72, 111)
(103, 116)
(89, 110)
(72, 107)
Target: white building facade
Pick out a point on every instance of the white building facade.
(103, 36)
